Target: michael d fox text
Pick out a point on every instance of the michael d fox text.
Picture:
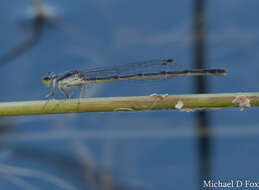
(230, 183)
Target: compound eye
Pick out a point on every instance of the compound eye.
(46, 80)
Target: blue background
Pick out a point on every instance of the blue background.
(142, 150)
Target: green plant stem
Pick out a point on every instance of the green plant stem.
(141, 103)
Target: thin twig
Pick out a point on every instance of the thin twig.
(141, 103)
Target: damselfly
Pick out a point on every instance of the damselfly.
(140, 70)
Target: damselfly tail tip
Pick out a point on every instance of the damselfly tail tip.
(220, 72)
(167, 61)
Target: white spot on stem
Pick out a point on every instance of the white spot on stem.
(123, 109)
(243, 102)
(179, 105)
(159, 96)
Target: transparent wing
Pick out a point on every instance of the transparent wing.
(130, 68)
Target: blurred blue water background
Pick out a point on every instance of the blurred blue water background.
(144, 150)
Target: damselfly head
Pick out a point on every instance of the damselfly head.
(47, 79)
